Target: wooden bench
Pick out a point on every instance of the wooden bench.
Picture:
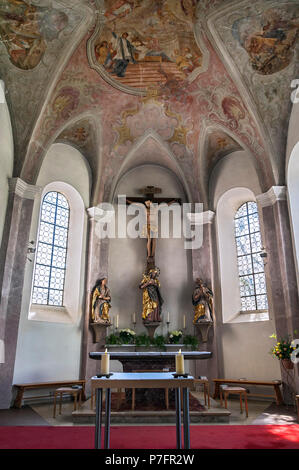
(274, 383)
(44, 385)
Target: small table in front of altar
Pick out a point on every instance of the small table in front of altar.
(142, 380)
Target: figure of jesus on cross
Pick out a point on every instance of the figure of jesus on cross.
(150, 230)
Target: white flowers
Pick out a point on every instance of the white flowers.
(128, 332)
(175, 333)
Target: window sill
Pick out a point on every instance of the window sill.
(50, 314)
(250, 316)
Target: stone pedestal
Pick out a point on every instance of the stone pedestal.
(151, 328)
(202, 329)
(99, 332)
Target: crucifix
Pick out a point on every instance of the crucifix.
(150, 231)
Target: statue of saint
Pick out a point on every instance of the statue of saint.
(152, 300)
(202, 299)
(100, 302)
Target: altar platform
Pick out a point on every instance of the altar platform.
(206, 415)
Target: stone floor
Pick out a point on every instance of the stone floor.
(260, 412)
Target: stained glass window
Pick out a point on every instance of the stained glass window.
(50, 262)
(252, 280)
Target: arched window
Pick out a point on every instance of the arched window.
(252, 280)
(50, 264)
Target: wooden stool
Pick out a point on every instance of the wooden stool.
(226, 391)
(67, 391)
(206, 389)
(297, 402)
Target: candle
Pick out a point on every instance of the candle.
(105, 363)
(179, 363)
(168, 318)
(134, 317)
(116, 321)
(184, 321)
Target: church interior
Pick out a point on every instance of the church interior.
(149, 224)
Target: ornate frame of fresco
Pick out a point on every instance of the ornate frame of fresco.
(100, 23)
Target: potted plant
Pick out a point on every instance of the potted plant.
(175, 336)
(283, 350)
(127, 336)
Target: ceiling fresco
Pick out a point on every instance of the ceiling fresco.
(26, 29)
(141, 44)
(34, 38)
(190, 66)
(260, 41)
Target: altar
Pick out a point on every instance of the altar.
(146, 361)
(151, 360)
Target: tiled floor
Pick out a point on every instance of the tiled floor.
(260, 412)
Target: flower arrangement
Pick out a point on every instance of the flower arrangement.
(283, 348)
(127, 336)
(175, 336)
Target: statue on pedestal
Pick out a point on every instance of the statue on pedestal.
(100, 302)
(152, 300)
(202, 299)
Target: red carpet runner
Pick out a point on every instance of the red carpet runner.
(151, 437)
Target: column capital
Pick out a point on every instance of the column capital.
(22, 189)
(276, 193)
(201, 218)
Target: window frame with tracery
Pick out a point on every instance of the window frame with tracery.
(52, 248)
(253, 295)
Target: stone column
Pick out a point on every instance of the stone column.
(97, 267)
(13, 256)
(203, 261)
(280, 266)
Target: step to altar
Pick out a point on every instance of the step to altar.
(85, 415)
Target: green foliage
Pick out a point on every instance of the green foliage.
(190, 340)
(142, 340)
(159, 342)
(113, 339)
(129, 337)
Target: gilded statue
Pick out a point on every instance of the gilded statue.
(202, 299)
(100, 302)
(151, 300)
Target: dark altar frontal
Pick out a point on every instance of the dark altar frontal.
(150, 361)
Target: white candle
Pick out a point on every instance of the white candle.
(184, 321)
(179, 363)
(168, 318)
(134, 317)
(116, 321)
(105, 363)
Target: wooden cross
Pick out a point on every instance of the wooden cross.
(149, 199)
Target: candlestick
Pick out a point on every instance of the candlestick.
(105, 363)
(179, 363)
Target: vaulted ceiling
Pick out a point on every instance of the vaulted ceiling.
(205, 78)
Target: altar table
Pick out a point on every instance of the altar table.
(142, 380)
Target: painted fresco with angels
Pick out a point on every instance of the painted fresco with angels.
(143, 44)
